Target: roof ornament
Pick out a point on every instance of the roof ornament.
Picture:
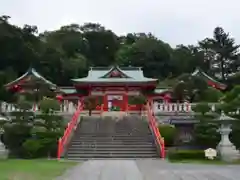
(115, 73)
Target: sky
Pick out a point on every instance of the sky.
(173, 21)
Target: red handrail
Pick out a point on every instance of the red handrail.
(71, 125)
(153, 125)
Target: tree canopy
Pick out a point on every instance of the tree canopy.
(69, 51)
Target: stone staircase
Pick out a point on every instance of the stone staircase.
(96, 138)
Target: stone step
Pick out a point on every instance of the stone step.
(96, 148)
(144, 140)
(120, 146)
(102, 130)
(78, 134)
(111, 153)
(113, 141)
(113, 132)
(113, 135)
(93, 156)
(111, 138)
(129, 138)
(114, 129)
(125, 137)
(80, 159)
(119, 143)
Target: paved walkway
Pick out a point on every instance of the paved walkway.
(149, 170)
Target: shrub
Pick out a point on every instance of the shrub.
(202, 108)
(211, 95)
(139, 99)
(14, 136)
(115, 108)
(230, 96)
(42, 144)
(32, 148)
(206, 134)
(169, 133)
(47, 105)
(186, 155)
(49, 140)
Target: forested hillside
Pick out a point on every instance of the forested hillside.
(68, 52)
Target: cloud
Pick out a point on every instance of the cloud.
(174, 21)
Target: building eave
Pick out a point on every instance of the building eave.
(112, 81)
(31, 71)
(199, 72)
(67, 90)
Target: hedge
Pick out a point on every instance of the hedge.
(169, 134)
(186, 155)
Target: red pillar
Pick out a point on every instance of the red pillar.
(96, 100)
(125, 101)
(105, 102)
(126, 105)
(150, 100)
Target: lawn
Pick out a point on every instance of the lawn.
(32, 169)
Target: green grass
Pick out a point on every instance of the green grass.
(32, 169)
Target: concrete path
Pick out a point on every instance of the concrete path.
(149, 170)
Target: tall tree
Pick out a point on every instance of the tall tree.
(102, 44)
(226, 58)
(67, 52)
(185, 59)
(64, 49)
(147, 52)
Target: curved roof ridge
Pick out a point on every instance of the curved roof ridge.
(29, 72)
(118, 69)
(101, 68)
(199, 71)
(130, 68)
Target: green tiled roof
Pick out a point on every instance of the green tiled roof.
(199, 72)
(132, 74)
(72, 90)
(67, 90)
(161, 90)
(32, 72)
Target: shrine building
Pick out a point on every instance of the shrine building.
(114, 86)
(110, 87)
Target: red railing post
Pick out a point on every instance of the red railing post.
(163, 148)
(153, 125)
(59, 148)
(70, 127)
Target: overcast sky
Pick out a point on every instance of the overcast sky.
(174, 21)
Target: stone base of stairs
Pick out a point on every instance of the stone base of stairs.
(79, 159)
